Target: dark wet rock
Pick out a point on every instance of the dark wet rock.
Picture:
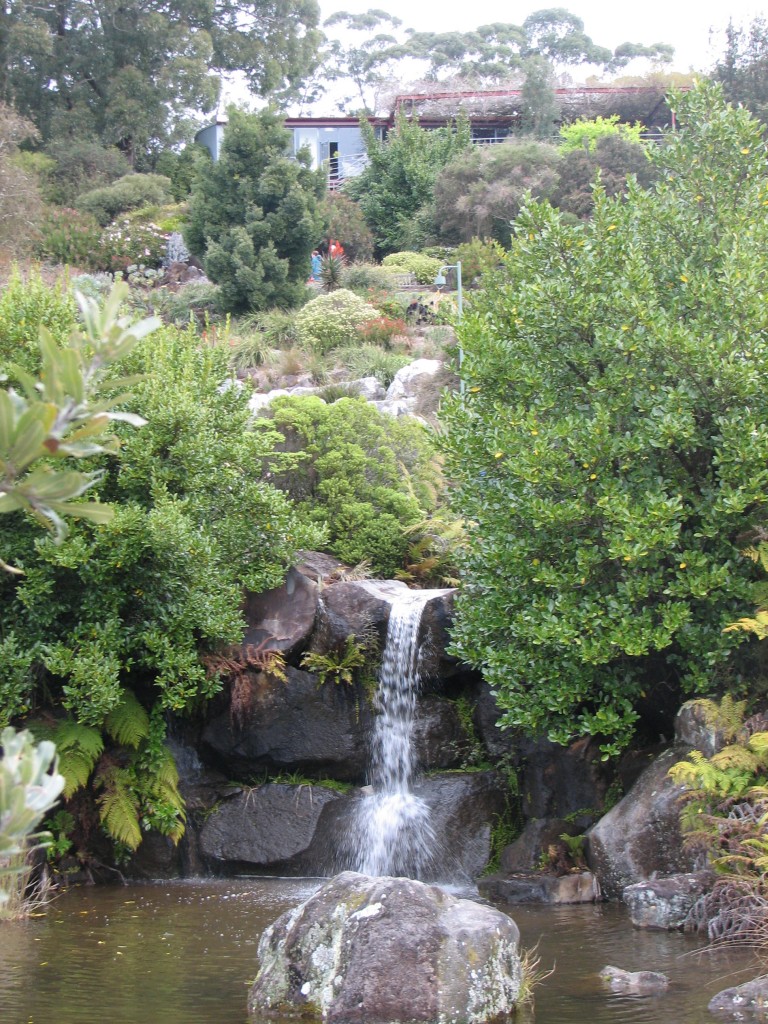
(747, 1002)
(463, 808)
(638, 983)
(533, 842)
(387, 951)
(438, 738)
(666, 903)
(498, 742)
(265, 829)
(640, 837)
(539, 887)
(559, 782)
(296, 725)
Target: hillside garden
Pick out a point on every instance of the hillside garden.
(593, 486)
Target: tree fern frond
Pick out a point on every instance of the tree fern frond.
(128, 723)
(76, 767)
(119, 808)
(70, 735)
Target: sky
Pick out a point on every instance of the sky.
(684, 24)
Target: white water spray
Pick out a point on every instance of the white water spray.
(393, 833)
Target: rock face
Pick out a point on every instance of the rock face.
(387, 951)
(664, 904)
(462, 807)
(266, 829)
(744, 1002)
(640, 837)
(295, 725)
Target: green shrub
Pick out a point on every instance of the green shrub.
(423, 268)
(331, 321)
(199, 301)
(611, 450)
(70, 237)
(128, 193)
(585, 133)
(361, 277)
(477, 258)
(365, 476)
(26, 304)
(80, 167)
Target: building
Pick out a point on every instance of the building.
(494, 114)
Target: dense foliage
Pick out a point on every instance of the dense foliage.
(743, 68)
(611, 452)
(131, 606)
(480, 192)
(400, 176)
(254, 215)
(332, 320)
(363, 475)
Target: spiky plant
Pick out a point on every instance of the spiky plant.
(331, 272)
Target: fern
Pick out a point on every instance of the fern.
(79, 748)
(128, 723)
(119, 806)
(727, 717)
(339, 666)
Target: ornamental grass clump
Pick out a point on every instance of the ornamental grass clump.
(332, 320)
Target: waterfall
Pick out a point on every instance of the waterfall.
(392, 833)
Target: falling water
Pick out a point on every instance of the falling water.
(393, 833)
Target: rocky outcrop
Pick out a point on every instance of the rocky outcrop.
(562, 781)
(387, 951)
(526, 852)
(640, 837)
(462, 809)
(282, 619)
(271, 726)
(665, 904)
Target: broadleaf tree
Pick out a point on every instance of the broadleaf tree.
(610, 450)
(130, 73)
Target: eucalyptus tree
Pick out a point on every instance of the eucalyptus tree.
(129, 73)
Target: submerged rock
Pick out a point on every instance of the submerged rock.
(743, 1002)
(388, 951)
(538, 887)
(638, 983)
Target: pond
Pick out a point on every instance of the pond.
(183, 952)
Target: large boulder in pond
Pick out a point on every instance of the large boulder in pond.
(746, 1002)
(387, 951)
(640, 837)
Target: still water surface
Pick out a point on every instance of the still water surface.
(183, 953)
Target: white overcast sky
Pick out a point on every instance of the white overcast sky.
(684, 24)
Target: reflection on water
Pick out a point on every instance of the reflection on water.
(183, 953)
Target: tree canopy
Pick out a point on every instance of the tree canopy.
(610, 450)
(130, 73)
